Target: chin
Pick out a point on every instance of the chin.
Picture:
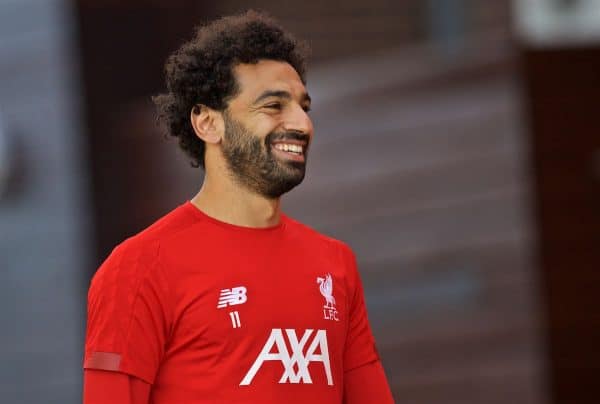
(283, 187)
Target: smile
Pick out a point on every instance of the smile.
(289, 151)
(289, 148)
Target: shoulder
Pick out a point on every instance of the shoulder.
(317, 239)
(118, 279)
(337, 252)
(137, 257)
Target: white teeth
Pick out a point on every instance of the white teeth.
(289, 147)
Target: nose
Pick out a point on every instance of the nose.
(298, 121)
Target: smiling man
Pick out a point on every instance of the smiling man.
(226, 299)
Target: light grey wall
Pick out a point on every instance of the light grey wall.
(43, 230)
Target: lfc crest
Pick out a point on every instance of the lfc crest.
(326, 289)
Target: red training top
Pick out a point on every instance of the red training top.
(210, 312)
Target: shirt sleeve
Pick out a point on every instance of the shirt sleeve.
(128, 313)
(367, 384)
(101, 387)
(360, 345)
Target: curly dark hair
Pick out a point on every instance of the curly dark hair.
(201, 70)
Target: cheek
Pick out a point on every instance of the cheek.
(265, 121)
(266, 134)
(267, 126)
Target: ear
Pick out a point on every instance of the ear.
(207, 123)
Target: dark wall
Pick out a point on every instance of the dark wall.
(123, 46)
(563, 88)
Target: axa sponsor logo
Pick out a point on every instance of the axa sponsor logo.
(295, 363)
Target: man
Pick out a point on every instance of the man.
(226, 299)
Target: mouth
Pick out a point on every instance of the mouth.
(291, 150)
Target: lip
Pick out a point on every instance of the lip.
(291, 141)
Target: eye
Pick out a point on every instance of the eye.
(306, 108)
(275, 105)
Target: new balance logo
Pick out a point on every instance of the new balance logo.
(231, 297)
(297, 360)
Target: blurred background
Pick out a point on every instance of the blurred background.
(457, 151)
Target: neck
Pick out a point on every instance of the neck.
(226, 201)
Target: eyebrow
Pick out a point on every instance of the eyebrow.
(279, 94)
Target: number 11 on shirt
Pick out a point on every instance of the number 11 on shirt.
(235, 319)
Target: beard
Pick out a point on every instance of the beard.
(252, 164)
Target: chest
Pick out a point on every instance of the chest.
(241, 300)
(263, 317)
(287, 289)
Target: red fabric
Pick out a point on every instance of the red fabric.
(366, 385)
(103, 360)
(102, 387)
(292, 319)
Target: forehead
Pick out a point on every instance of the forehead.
(253, 79)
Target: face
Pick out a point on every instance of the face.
(267, 129)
